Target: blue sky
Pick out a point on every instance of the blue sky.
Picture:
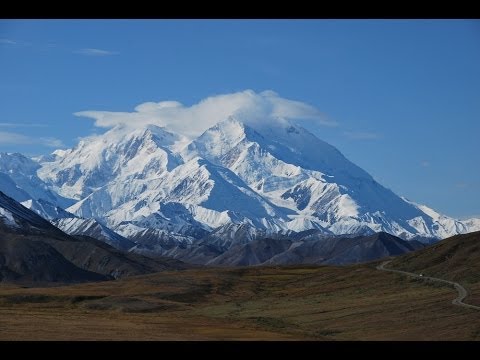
(405, 94)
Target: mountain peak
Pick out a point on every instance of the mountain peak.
(121, 152)
(279, 138)
(122, 133)
(272, 174)
(280, 127)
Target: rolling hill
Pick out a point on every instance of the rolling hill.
(456, 258)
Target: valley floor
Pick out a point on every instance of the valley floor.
(284, 303)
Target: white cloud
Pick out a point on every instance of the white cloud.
(95, 52)
(11, 138)
(51, 142)
(192, 120)
(362, 135)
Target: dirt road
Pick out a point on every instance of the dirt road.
(462, 292)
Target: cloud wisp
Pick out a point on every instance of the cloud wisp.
(95, 52)
(11, 138)
(191, 121)
(51, 142)
(6, 124)
(5, 41)
(8, 42)
(362, 135)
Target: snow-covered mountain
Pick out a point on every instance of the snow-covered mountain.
(92, 228)
(443, 226)
(15, 217)
(294, 169)
(19, 180)
(46, 209)
(137, 177)
(32, 249)
(235, 180)
(18, 175)
(98, 161)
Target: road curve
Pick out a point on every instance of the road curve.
(462, 292)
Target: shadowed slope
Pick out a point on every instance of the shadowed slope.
(31, 245)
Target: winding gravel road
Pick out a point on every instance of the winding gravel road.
(462, 292)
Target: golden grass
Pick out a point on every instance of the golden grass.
(317, 303)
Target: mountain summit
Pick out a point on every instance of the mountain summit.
(275, 177)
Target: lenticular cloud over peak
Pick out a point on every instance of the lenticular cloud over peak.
(191, 121)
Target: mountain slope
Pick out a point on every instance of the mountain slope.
(456, 258)
(18, 219)
(294, 169)
(342, 251)
(46, 209)
(137, 179)
(22, 172)
(18, 224)
(276, 177)
(256, 252)
(96, 161)
(25, 260)
(25, 257)
(443, 226)
(19, 180)
(92, 228)
(333, 251)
